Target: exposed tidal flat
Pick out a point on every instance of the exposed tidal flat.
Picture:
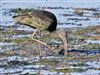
(20, 55)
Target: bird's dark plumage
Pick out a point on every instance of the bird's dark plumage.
(39, 19)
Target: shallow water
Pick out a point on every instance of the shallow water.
(17, 60)
(60, 9)
(89, 67)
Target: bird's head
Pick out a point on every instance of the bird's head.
(61, 33)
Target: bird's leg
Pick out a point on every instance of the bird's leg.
(40, 54)
(34, 33)
(43, 43)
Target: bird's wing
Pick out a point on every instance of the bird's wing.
(42, 18)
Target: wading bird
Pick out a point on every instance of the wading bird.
(43, 21)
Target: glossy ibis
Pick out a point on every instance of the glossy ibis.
(42, 20)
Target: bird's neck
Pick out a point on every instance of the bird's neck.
(63, 36)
